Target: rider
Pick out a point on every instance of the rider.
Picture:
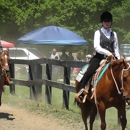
(105, 45)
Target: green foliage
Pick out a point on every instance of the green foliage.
(80, 16)
(121, 21)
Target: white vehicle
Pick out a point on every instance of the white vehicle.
(125, 51)
(24, 53)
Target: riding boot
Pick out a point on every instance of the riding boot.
(83, 92)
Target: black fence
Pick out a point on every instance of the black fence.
(36, 81)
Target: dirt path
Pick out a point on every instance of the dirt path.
(12, 118)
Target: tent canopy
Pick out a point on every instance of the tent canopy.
(7, 44)
(52, 35)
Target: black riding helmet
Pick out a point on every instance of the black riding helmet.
(106, 16)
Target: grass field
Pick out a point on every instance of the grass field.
(21, 99)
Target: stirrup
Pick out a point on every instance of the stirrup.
(81, 92)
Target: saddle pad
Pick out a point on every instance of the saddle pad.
(102, 72)
(81, 73)
(83, 69)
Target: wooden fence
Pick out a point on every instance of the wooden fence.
(35, 81)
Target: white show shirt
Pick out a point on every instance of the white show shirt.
(101, 50)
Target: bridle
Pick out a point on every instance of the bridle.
(122, 88)
(123, 70)
(6, 64)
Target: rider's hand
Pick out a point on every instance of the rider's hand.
(109, 54)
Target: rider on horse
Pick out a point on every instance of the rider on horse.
(105, 45)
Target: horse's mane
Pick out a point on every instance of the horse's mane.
(118, 63)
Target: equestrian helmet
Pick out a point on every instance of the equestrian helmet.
(106, 16)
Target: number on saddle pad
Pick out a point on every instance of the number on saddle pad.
(79, 76)
(81, 73)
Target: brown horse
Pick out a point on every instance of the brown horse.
(4, 66)
(108, 92)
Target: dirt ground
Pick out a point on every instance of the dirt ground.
(12, 118)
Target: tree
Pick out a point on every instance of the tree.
(80, 16)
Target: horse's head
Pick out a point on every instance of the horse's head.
(123, 67)
(4, 59)
(126, 80)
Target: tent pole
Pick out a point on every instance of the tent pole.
(1, 44)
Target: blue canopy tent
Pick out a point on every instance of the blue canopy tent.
(52, 35)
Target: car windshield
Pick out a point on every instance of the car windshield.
(18, 53)
(35, 52)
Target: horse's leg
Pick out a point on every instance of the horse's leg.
(92, 116)
(0, 96)
(102, 112)
(122, 116)
(85, 110)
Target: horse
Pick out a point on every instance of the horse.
(4, 66)
(108, 92)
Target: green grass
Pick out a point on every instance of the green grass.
(73, 117)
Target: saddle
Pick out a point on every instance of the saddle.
(88, 91)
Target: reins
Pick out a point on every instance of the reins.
(115, 82)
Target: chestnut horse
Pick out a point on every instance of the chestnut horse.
(108, 92)
(4, 66)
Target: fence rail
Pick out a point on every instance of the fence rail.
(36, 81)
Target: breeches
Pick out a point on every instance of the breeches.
(94, 64)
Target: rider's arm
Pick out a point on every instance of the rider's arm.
(116, 46)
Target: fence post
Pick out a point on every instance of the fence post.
(48, 89)
(11, 71)
(35, 72)
(66, 94)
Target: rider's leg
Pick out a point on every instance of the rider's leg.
(82, 94)
(90, 71)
